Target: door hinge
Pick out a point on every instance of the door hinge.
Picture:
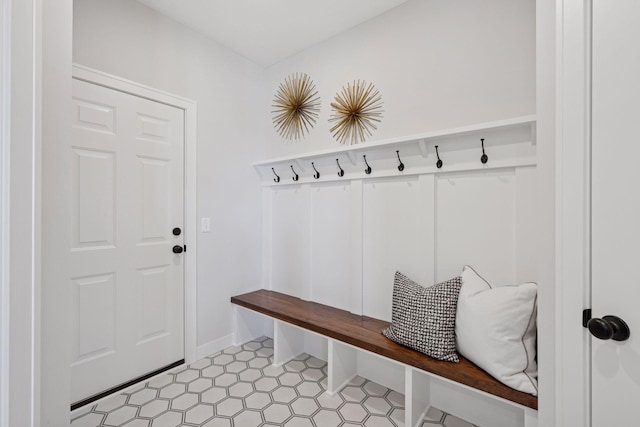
(185, 248)
(586, 316)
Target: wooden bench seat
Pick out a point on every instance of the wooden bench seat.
(364, 332)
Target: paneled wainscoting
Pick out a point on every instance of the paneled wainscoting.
(240, 387)
(339, 239)
(338, 224)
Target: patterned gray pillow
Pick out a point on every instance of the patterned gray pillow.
(424, 318)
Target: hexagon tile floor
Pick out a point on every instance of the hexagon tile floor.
(239, 387)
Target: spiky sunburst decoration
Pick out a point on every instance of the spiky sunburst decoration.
(356, 109)
(296, 106)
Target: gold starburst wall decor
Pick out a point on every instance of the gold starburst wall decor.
(355, 112)
(296, 106)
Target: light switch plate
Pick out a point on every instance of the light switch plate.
(205, 225)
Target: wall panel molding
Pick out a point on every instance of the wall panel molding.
(339, 243)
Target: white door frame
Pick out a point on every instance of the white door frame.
(573, 212)
(19, 148)
(5, 140)
(90, 75)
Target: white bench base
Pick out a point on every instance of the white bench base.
(421, 389)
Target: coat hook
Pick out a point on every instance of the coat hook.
(368, 169)
(484, 157)
(295, 175)
(277, 178)
(439, 162)
(401, 165)
(317, 174)
(341, 172)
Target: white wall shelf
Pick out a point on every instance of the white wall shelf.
(508, 143)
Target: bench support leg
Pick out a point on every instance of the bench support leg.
(248, 325)
(343, 366)
(288, 342)
(416, 394)
(530, 418)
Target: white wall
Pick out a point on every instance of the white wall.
(438, 64)
(125, 38)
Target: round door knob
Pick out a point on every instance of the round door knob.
(609, 328)
(177, 249)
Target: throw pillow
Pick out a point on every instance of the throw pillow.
(496, 330)
(424, 318)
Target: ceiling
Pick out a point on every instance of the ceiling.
(267, 31)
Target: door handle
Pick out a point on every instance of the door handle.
(177, 249)
(609, 327)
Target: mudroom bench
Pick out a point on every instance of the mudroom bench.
(354, 345)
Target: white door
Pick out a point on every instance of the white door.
(616, 208)
(127, 197)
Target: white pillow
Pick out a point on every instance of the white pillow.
(496, 330)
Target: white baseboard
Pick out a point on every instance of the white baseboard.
(214, 346)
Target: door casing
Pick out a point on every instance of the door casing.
(573, 213)
(90, 75)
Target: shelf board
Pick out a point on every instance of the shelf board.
(352, 150)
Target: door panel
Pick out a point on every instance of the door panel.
(152, 301)
(615, 207)
(127, 185)
(93, 199)
(94, 298)
(155, 175)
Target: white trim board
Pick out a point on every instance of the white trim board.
(421, 171)
(353, 150)
(19, 147)
(5, 140)
(573, 385)
(508, 143)
(214, 346)
(90, 75)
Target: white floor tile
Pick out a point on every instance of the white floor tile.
(240, 387)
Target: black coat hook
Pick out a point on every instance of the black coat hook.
(401, 165)
(484, 159)
(368, 169)
(340, 172)
(295, 175)
(317, 174)
(439, 162)
(277, 178)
